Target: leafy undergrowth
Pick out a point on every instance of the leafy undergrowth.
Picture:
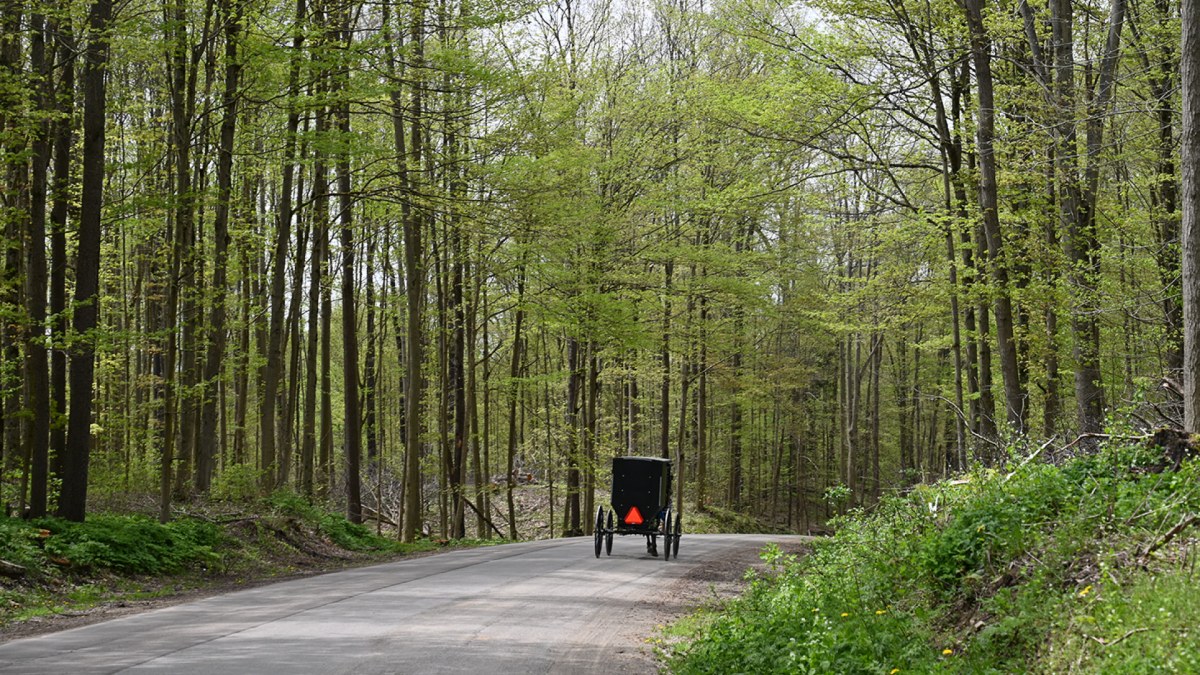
(1085, 567)
(60, 567)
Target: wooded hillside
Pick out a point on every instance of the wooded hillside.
(406, 255)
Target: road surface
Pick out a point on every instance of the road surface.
(534, 607)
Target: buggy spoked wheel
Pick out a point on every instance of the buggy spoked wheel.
(678, 533)
(608, 535)
(666, 528)
(598, 533)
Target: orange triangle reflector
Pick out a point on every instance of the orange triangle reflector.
(634, 517)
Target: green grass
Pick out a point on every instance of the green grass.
(1038, 571)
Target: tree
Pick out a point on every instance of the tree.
(1190, 165)
(73, 502)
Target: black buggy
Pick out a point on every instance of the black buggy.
(641, 504)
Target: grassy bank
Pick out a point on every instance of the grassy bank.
(55, 567)
(1084, 567)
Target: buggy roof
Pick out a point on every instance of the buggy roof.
(643, 459)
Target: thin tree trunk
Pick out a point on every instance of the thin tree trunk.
(702, 410)
(590, 428)
(514, 393)
(571, 516)
(370, 396)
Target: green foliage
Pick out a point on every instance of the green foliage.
(978, 575)
(132, 544)
(237, 483)
(125, 544)
(348, 535)
(993, 527)
(19, 542)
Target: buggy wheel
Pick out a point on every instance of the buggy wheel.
(598, 533)
(666, 529)
(678, 532)
(608, 535)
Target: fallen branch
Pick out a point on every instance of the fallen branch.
(1083, 437)
(372, 513)
(485, 518)
(504, 517)
(11, 569)
(1028, 459)
(1105, 643)
(218, 519)
(1188, 521)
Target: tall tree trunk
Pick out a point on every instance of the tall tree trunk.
(1190, 165)
(63, 138)
(14, 207)
(272, 369)
(73, 500)
(325, 441)
(320, 245)
(665, 359)
(1014, 395)
(457, 382)
(179, 229)
(37, 374)
(1080, 242)
(206, 449)
(352, 425)
(472, 409)
(1089, 384)
(414, 271)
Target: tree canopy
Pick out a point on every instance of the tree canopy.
(408, 256)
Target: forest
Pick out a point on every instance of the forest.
(408, 257)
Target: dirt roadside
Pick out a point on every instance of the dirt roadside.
(177, 591)
(716, 581)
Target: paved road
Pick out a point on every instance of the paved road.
(535, 607)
